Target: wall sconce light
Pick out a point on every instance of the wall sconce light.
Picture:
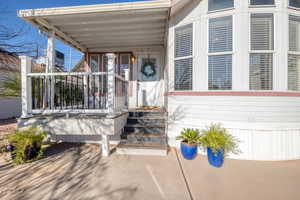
(133, 59)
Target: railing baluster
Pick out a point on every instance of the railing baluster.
(82, 93)
(76, 92)
(94, 90)
(55, 94)
(72, 92)
(88, 91)
(33, 92)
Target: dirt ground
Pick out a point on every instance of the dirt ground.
(6, 126)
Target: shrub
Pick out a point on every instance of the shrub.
(216, 137)
(28, 144)
(190, 136)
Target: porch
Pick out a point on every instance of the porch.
(124, 68)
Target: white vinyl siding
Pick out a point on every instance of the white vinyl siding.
(220, 4)
(220, 53)
(294, 53)
(184, 57)
(294, 3)
(261, 56)
(261, 2)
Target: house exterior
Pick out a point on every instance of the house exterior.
(234, 62)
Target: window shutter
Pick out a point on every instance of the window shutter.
(183, 57)
(261, 71)
(294, 72)
(183, 74)
(220, 34)
(220, 72)
(262, 2)
(294, 33)
(220, 4)
(184, 41)
(295, 3)
(262, 36)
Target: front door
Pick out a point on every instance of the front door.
(149, 86)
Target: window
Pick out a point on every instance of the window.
(184, 57)
(94, 63)
(295, 3)
(294, 53)
(220, 53)
(220, 4)
(261, 56)
(261, 74)
(262, 2)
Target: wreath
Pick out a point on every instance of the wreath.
(148, 69)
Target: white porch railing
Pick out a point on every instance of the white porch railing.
(72, 92)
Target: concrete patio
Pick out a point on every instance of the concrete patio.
(76, 171)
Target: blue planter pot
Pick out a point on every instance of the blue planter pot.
(217, 159)
(189, 152)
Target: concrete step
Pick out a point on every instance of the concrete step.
(142, 148)
(145, 121)
(156, 130)
(147, 114)
(142, 137)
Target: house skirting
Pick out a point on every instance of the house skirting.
(267, 126)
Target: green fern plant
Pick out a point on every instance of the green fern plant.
(28, 144)
(216, 137)
(190, 136)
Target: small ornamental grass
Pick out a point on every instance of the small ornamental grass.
(216, 137)
(189, 136)
(27, 144)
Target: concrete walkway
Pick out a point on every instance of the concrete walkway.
(77, 172)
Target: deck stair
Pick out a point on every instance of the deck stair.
(144, 133)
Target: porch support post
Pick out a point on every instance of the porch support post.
(51, 66)
(105, 145)
(26, 86)
(111, 83)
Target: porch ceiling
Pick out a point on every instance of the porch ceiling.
(106, 26)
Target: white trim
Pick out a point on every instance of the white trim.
(99, 8)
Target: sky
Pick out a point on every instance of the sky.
(9, 18)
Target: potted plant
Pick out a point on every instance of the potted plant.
(189, 143)
(218, 142)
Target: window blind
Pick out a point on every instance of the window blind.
(184, 41)
(220, 72)
(294, 72)
(295, 3)
(262, 34)
(262, 2)
(220, 4)
(261, 71)
(183, 57)
(220, 34)
(294, 33)
(183, 74)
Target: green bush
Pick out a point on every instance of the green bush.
(216, 137)
(190, 136)
(28, 144)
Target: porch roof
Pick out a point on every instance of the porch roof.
(105, 26)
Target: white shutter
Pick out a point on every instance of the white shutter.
(294, 72)
(261, 71)
(294, 33)
(184, 57)
(295, 3)
(220, 72)
(262, 2)
(220, 4)
(220, 34)
(262, 34)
